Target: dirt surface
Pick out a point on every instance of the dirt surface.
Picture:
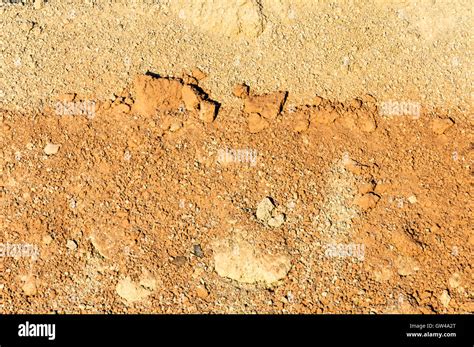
(190, 192)
(394, 50)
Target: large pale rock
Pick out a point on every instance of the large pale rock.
(243, 262)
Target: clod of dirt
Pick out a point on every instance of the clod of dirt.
(268, 105)
(241, 90)
(147, 281)
(198, 74)
(439, 126)
(355, 103)
(51, 149)
(106, 244)
(301, 124)
(366, 123)
(191, 97)
(152, 94)
(47, 239)
(365, 187)
(207, 111)
(122, 108)
(366, 201)
(241, 261)
(175, 126)
(352, 165)
(323, 116)
(257, 123)
(168, 94)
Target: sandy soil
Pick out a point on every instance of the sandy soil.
(331, 185)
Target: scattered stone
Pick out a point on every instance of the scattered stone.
(256, 123)
(202, 292)
(179, 260)
(207, 111)
(383, 275)
(241, 90)
(29, 287)
(439, 126)
(266, 213)
(71, 244)
(51, 149)
(176, 125)
(455, 280)
(130, 291)
(241, 261)
(147, 281)
(445, 298)
(264, 210)
(406, 266)
(277, 221)
(367, 201)
(197, 251)
(47, 239)
(412, 199)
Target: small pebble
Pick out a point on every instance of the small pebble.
(179, 260)
(47, 239)
(197, 250)
(445, 298)
(51, 149)
(71, 244)
(202, 292)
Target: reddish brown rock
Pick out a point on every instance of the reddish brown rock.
(268, 106)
